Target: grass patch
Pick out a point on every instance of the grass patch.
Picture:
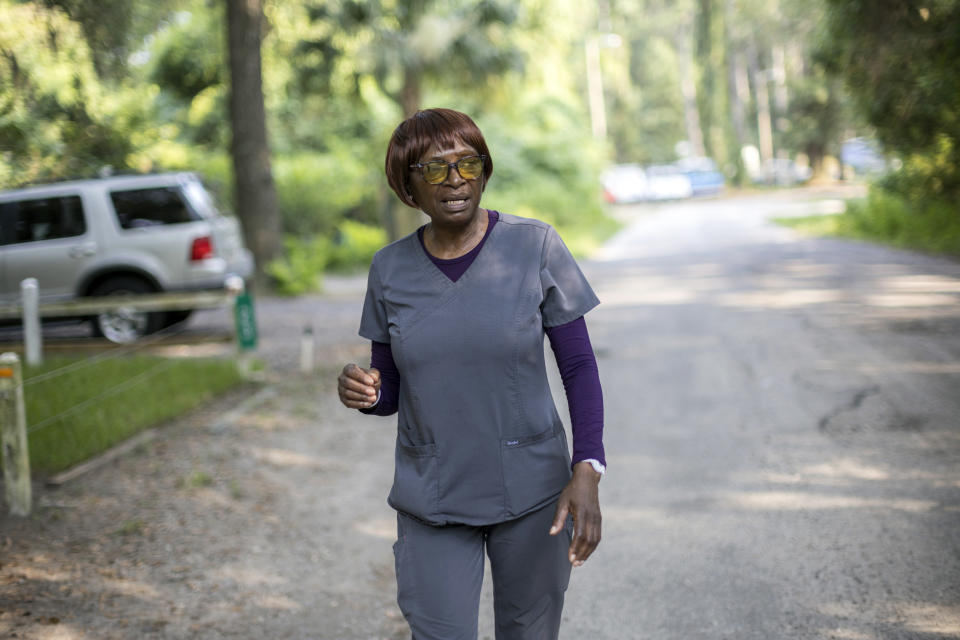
(816, 225)
(133, 527)
(195, 480)
(931, 227)
(91, 407)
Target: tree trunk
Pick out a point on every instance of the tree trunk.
(705, 74)
(410, 95)
(739, 97)
(764, 124)
(688, 88)
(405, 220)
(255, 196)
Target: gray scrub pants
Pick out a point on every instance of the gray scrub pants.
(440, 572)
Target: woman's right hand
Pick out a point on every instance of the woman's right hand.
(358, 387)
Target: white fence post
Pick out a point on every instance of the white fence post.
(32, 336)
(306, 350)
(13, 436)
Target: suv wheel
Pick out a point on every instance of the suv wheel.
(125, 325)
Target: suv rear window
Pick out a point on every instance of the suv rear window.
(41, 219)
(151, 207)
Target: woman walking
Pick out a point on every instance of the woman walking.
(456, 314)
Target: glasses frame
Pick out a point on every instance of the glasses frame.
(421, 166)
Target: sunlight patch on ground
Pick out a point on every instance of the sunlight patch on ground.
(132, 588)
(662, 291)
(247, 576)
(385, 528)
(846, 468)
(780, 299)
(847, 634)
(910, 367)
(830, 206)
(616, 516)
(921, 283)
(287, 458)
(927, 619)
(910, 300)
(804, 501)
(705, 270)
(277, 602)
(41, 574)
(932, 619)
(59, 632)
(845, 472)
(215, 498)
(805, 269)
(652, 293)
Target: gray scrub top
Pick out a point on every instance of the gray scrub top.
(479, 440)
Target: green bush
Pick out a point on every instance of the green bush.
(301, 268)
(933, 175)
(308, 257)
(933, 225)
(354, 246)
(317, 191)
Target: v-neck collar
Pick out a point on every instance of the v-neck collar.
(428, 264)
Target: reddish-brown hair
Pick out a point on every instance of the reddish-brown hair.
(413, 136)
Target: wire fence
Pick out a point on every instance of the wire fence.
(56, 415)
(78, 406)
(106, 393)
(115, 352)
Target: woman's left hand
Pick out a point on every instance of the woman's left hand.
(581, 499)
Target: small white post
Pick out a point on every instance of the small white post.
(32, 336)
(306, 350)
(13, 437)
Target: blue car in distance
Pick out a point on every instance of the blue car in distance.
(705, 178)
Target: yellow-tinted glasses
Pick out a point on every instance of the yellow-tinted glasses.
(436, 171)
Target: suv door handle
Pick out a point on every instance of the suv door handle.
(84, 250)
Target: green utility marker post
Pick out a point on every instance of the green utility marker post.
(245, 321)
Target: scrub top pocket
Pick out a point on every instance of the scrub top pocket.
(535, 468)
(416, 484)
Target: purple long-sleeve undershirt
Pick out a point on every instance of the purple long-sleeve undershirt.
(571, 346)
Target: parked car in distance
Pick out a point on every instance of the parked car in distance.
(624, 183)
(863, 155)
(705, 179)
(667, 182)
(124, 234)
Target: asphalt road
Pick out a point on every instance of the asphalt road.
(782, 432)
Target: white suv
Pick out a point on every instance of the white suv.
(125, 234)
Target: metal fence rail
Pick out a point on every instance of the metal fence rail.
(169, 301)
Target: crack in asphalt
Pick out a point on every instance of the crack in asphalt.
(855, 403)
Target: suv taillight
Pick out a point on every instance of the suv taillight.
(201, 249)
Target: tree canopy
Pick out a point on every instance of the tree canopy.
(144, 86)
(899, 60)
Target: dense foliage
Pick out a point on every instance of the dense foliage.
(144, 87)
(899, 59)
